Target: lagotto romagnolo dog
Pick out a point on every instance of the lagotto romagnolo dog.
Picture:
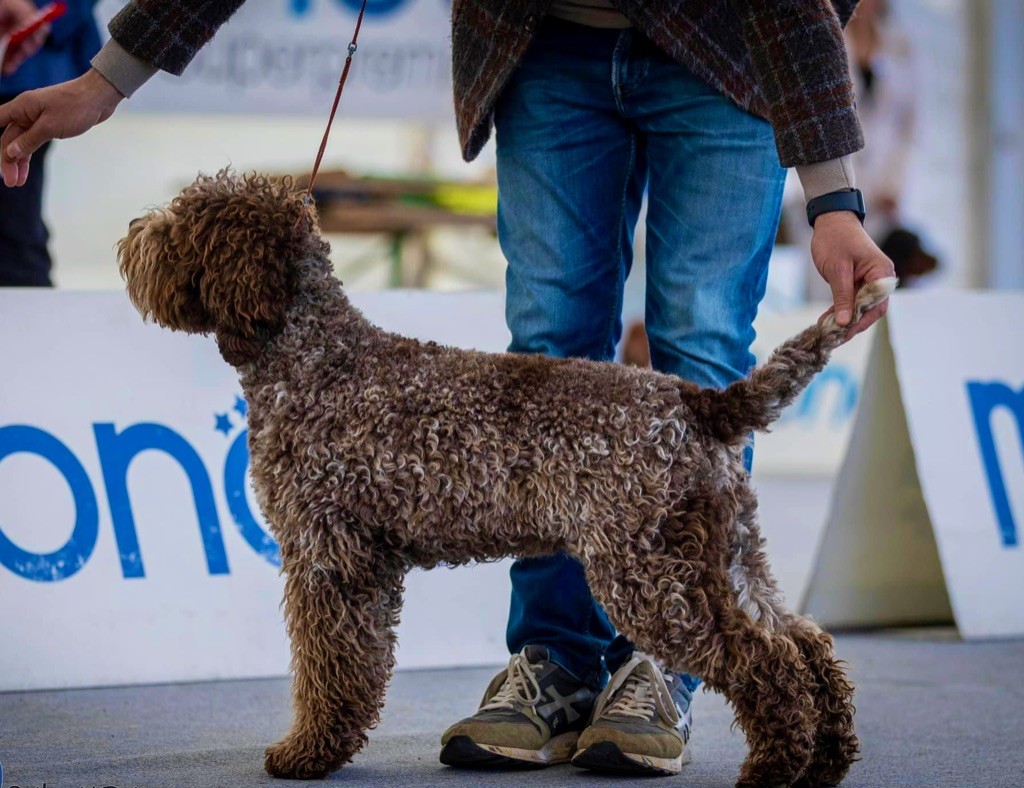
(372, 453)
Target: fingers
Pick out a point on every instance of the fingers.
(840, 280)
(13, 170)
(18, 112)
(25, 50)
(26, 138)
(7, 112)
(878, 267)
(867, 320)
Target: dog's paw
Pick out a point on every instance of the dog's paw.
(289, 760)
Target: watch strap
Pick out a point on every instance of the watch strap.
(843, 200)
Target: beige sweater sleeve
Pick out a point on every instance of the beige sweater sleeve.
(122, 70)
(826, 176)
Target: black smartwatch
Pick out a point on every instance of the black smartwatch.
(843, 200)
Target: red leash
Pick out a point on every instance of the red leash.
(334, 107)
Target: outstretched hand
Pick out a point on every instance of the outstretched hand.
(57, 112)
(847, 259)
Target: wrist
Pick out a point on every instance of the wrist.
(102, 89)
(844, 200)
(837, 219)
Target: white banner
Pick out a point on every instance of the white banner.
(130, 547)
(285, 57)
(131, 550)
(929, 505)
(811, 437)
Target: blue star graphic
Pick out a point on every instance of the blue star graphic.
(223, 423)
(241, 406)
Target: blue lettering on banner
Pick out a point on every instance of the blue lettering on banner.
(985, 398)
(117, 450)
(235, 473)
(834, 376)
(63, 563)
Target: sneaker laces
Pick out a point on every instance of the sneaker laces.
(638, 690)
(520, 686)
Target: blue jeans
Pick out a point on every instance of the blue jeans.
(589, 120)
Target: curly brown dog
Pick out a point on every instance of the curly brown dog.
(372, 453)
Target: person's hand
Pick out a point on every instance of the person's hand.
(57, 112)
(847, 259)
(15, 14)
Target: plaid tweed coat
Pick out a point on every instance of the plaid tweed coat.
(781, 59)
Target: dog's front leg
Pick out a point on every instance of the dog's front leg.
(341, 624)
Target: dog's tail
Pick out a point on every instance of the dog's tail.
(756, 401)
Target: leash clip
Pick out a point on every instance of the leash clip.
(352, 48)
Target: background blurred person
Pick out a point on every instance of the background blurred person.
(881, 59)
(55, 54)
(883, 79)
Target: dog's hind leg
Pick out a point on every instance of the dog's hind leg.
(766, 680)
(677, 603)
(341, 608)
(835, 745)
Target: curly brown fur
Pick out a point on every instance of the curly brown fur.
(372, 453)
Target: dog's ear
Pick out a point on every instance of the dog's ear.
(248, 234)
(160, 273)
(220, 258)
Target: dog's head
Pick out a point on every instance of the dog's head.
(220, 258)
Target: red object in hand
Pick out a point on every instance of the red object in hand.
(47, 14)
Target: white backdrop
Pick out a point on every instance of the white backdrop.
(960, 365)
(929, 503)
(133, 432)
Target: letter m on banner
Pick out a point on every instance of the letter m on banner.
(985, 399)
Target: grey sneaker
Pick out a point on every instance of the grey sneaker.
(641, 723)
(531, 715)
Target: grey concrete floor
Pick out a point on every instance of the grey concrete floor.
(932, 711)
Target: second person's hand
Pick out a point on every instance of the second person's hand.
(15, 14)
(57, 112)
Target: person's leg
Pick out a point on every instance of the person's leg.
(714, 201)
(570, 182)
(24, 257)
(715, 192)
